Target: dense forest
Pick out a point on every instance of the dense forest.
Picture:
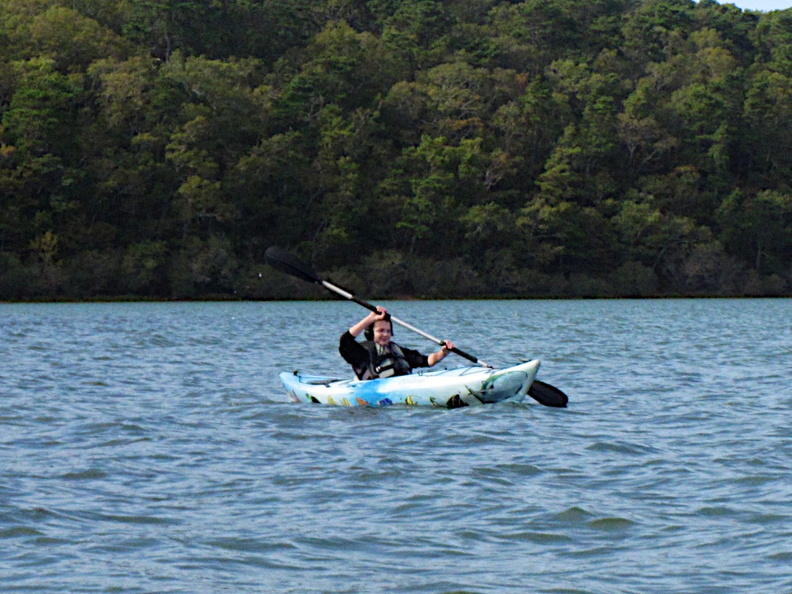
(456, 148)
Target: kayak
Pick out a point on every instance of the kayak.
(450, 388)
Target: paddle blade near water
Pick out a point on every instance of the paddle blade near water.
(548, 395)
(283, 261)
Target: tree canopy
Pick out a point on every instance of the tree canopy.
(465, 148)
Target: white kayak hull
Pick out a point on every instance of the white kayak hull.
(451, 388)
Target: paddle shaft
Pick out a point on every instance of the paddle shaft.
(370, 307)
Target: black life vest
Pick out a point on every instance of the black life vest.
(383, 362)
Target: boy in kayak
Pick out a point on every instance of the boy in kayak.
(378, 356)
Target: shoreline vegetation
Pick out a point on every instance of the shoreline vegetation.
(439, 150)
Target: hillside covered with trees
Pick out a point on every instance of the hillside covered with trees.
(457, 148)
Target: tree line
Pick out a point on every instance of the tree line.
(457, 148)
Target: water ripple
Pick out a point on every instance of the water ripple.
(150, 447)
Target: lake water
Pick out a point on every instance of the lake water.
(151, 448)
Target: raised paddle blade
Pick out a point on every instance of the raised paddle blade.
(284, 262)
(548, 395)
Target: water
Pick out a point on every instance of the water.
(151, 448)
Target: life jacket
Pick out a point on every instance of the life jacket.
(383, 362)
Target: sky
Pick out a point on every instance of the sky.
(765, 5)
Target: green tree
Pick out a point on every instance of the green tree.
(40, 170)
(62, 34)
(163, 26)
(125, 150)
(347, 145)
(525, 129)
(758, 228)
(648, 145)
(416, 31)
(653, 30)
(563, 236)
(343, 67)
(767, 157)
(429, 190)
(772, 37)
(660, 241)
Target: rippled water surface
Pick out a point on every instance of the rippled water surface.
(151, 448)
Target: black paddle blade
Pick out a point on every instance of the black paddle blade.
(548, 395)
(284, 262)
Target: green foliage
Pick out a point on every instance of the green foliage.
(759, 228)
(156, 148)
(71, 39)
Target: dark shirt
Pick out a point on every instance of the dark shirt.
(357, 355)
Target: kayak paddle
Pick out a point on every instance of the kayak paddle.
(285, 262)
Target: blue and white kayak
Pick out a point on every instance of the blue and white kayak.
(450, 388)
